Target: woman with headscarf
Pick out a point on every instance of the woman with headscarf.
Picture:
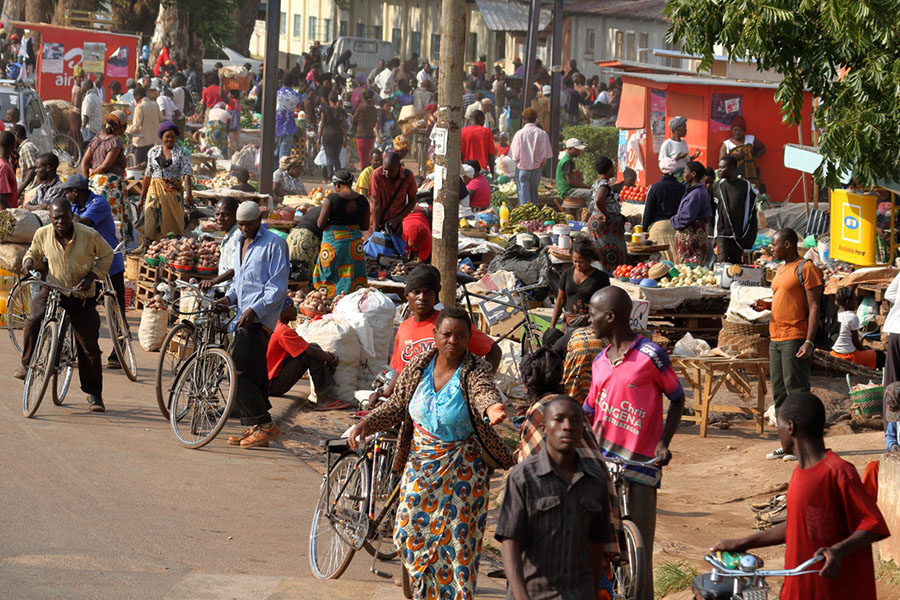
(104, 163)
(342, 260)
(445, 402)
(217, 128)
(746, 149)
(675, 147)
(286, 180)
(166, 189)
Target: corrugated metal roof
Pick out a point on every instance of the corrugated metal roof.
(509, 15)
(637, 9)
(699, 80)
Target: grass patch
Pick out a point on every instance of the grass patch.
(672, 577)
(887, 571)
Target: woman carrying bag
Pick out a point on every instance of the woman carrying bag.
(446, 402)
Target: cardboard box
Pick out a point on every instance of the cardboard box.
(727, 273)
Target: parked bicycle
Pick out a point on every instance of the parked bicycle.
(737, 576)
(357, 507)
(500, 305)
(629, 572)
(204, 390)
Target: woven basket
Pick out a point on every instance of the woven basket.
(868, 402)
(132, 267)
(749, 340)
(111, 106)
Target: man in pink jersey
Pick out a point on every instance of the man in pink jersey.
(625, 408)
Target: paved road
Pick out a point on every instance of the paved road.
(110, 506)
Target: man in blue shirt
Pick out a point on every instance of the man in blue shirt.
(286, 103)
(259, 288)
(93, 210)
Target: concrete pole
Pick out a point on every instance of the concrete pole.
(531, 44)
(445, 222)
(556, 82)
(270, 87)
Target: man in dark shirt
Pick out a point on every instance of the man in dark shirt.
(734, 213)
(362, 127)
(49, 186)
(661, 204)
(556, 516)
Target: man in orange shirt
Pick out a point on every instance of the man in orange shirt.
(477, 142)
(796, 309)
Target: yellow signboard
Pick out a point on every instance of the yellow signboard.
(853, 232)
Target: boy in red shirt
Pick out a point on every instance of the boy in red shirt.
(289, 356)
(829, 513)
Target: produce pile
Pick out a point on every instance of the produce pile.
(529, 218)
(318, 194)
(167, 249)
(399, 270)
(638, 271)
(315, 302)
(223, 180)
(689, 275)
(505, 192)
(282, 214)
(7, 223)
(186, 252)
(156, 302)
(208, 255)
(634, 193)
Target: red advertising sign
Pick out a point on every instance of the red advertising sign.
(61, 49)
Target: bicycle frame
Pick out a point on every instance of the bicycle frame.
(616, 468)
(520, 305)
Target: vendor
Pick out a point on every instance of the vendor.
(365, 176)
(576, 288)
(417, 234)
(226, 220)
(691, 223)
(341, 267)
(416, 334)
(745, 148)
(569, 180)
(286, 180)
(675, 147)
(478, 185)
(167, 186)
(661, 204)
(243, 181)
(848, 345)
(606, 225)
(217, 121)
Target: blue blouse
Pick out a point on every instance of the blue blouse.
(443, 413)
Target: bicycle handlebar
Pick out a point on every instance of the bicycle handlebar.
(632, 463)
(36, 278)
(802, 569)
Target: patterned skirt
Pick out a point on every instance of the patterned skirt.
(163, 209)
(111, 187)
(217, 136)
(441, 516)
(691, 243)
(609, 235)
(583, 348)
(341, 267)
(304, 247)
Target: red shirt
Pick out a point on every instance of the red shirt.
(417, 234)
(284, 343)
(414, 337)
(502, 150)
(211, 96)
(8, 183)
(826, 503)
(477, 142)
(479, 192)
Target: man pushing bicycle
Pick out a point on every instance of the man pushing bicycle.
(77, 256)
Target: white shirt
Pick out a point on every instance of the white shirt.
(670, 149)
(849, 323)
(178, 98)
(385, 82)
(892, 322)
(602, 98)
(424, 75)
(91, 108)
(166, 108)
(748, 139)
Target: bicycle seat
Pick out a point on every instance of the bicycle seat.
(336, 445)
(462, 278)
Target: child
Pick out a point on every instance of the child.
(848, 345)
(829, 513)
(243, 178)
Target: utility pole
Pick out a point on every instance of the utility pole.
(270, 86)
(556, 82)
(445, 221)
(531, 43)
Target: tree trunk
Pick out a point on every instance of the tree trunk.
(247, 12)
(38, 11)
(14, 10)
(136, 16)
(59, 14)
(173, 30)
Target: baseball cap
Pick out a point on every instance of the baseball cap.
(575, 143)
(75, 182)
(546, 90)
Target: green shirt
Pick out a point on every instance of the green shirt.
(565, 166)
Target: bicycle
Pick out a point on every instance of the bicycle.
(497, 307)
(48, 358)
(356, 507)
(740, 577)
(204, 391)
(179, 344)
(629, 572)
(118, 324)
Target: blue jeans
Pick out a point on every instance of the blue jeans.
(527, 181)
(890, 435)
(283, 145)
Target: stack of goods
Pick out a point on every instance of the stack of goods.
(633, 193)
(684, 275)
(529, 219)
(185, 255)
(315, 303)
(156, 302)
(399, 271)
(208, 257)
(478, 273)
(282, 218)
(223, 179)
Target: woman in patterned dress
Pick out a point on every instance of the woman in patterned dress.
(341, 267)
(606, 223)
(166, 191)
(442, 399)
(104, 164)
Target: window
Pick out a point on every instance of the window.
(377, 32)
(298, 26)
(343, 28)
(632, 51)
(396, 40)
(589, 41)
(500, 46)
(327, 29)
(435, 48)
(619, 45)
(473, 46)
(644, 49)
(417, 42)
(675, 63)
(361, 30)
(312, 28)
(283, 23)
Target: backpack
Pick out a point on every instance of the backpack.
(829, 327)
(189, 106)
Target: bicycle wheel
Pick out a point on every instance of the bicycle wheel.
(121, 337)
(530, 339)
(385, 483)
(178, 346)
(202, 398)
(338, 518)
(65, 366)
(41, 368)
(628, 574)
(18, 307)
(66, 149)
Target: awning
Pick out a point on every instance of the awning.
(510, 15)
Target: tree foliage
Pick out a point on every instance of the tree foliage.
(845, 52)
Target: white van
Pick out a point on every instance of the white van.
(366, 53)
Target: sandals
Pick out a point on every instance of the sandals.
(335, 405)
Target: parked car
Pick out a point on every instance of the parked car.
(36, 119)
(229, 57)
(366, 53)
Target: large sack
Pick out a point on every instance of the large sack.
(378, 312)
(245, 158)
(334, 334)
(153, 329)
(11, 256)
(21, 228)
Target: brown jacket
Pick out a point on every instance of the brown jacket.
(477, 384)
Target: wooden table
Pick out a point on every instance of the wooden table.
(706, 375)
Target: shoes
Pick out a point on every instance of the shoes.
(20, 373)
(96, 404)
(236, 440)
(113, 362)
(261, 437)
(894, 448)
(779, 454)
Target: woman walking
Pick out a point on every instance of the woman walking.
(342, 260)
(442, 398)
(694, 214)
(332, 133)
(606, 223)
(166, 189)
(104, 164)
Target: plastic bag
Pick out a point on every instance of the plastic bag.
(691, 346)
(319, 160)
(153, 329)
(376, 333)
(866, 311)
(245, 158)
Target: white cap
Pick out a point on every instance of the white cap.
(248, 211)
(154, 83)
(546, 90)
(575, 143)
(468, 171)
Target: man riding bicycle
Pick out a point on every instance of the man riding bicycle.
(93, 210)
(77, 256)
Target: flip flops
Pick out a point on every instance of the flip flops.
(336, 405)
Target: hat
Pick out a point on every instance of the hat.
(658, 271)
(248, 211)
(423, 277)
(76, 182)
(668, 165)
(14, 36)
(168, 126)
(468, 171)
(546, 90)
(676, 122)
(78, 71)
(342, 176)
(154, 83)
(118, 116)
(575, 143)
(739, 121)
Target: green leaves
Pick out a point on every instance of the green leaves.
(846, 53)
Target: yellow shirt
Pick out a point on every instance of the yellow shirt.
(86, 252)
(362, 183)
